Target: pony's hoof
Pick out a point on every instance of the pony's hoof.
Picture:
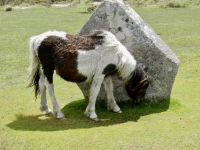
(49, 114)
(95, 119)
(119, 112)
(62, 118)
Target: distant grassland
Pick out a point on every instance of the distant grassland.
(135, 3)
(164, 3)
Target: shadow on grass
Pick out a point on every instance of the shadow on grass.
(76, 118)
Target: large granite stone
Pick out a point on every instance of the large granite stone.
(142, 41)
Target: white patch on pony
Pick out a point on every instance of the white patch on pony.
(126, 63)
(110, 52)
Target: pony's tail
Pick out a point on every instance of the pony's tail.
(34, 67)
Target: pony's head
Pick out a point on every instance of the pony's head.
(136, 86)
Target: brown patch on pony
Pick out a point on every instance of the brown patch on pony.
(86, 42)
(58, 54)
(110, 70)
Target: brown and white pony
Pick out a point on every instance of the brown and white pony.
(83, 58)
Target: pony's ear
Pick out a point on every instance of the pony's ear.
(145, 83)
(146, 69)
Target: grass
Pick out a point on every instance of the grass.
(170, 124)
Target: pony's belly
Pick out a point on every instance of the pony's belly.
(71, 75)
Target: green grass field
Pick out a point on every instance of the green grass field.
(169, 125)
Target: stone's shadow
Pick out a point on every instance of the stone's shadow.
(76, 119)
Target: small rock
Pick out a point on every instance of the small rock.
(8, 8)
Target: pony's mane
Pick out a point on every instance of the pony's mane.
(127, 63)
(98, 36)
(137, 75)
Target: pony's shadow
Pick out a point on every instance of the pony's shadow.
(76, 119)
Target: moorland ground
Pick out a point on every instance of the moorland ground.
(170, 124)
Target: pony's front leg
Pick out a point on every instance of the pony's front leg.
(43, 104)
(111, 104)
(56, 108)
(94, 91)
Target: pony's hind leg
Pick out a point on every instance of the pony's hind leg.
(111, 104)
(43, 104)
(57, 112)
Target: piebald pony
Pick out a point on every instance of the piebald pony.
(83, 58)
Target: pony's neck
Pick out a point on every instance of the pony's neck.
(126, 65)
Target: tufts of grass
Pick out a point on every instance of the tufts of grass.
(176, 4)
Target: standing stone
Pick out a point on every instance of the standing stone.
(141, 40)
